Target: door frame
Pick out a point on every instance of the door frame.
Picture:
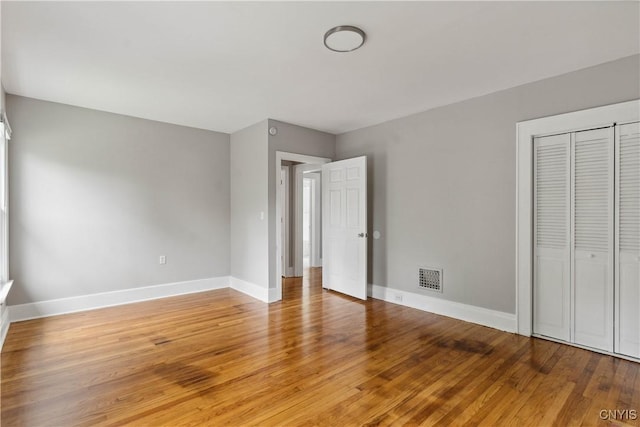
(284, 231)
(293, 157)
(315, 257)
(297, 197)
(619, 113)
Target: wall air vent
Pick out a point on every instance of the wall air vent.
(430, 279)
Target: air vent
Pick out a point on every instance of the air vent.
(430, 279)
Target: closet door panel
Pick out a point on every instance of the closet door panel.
(593, 302)
(628, 241)
(628, 312)
(593, 238)
(551, 296)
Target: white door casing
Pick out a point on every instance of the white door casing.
(284, 221)
(344, 226)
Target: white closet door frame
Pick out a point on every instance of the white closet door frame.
(624, 112)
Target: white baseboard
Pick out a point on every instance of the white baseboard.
(469, 313)
(4, 325)
(4, 311)
(289, 272)
(274, 295)
(16, 313)
(108, 299)
(251, 289)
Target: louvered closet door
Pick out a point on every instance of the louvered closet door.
(593, 238)
(628, 242)
(551, 296)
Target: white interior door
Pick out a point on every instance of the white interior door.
(344, 226)
(592, 208)
(551, 284)
(627, 340)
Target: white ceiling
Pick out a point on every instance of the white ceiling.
(224, 66)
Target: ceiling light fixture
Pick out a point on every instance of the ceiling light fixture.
(344, 38)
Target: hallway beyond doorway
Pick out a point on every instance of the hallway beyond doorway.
(310, 283)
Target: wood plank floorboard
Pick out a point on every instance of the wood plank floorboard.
(316, 358)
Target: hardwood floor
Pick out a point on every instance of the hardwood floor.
(316, 358)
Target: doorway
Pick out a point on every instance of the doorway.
(298, 222)
(306, 212)
(344, 222)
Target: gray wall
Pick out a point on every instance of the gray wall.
(442, 182)
(249, 233)
(298, 140)
(97, 197)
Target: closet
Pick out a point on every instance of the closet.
(586, 238)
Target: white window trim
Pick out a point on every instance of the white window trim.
(5, 127)
(5, 283)
(4, 262)
(525, 132)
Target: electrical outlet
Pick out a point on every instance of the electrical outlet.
(397, 297)
(163, 259)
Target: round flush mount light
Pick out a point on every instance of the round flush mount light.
(344, 38)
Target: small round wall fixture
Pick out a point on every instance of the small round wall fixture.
(273, 130)
(344, 38)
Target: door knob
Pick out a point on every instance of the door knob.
(362, 235)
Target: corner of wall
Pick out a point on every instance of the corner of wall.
(251, 289)
(297, 140)
(249, 243)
